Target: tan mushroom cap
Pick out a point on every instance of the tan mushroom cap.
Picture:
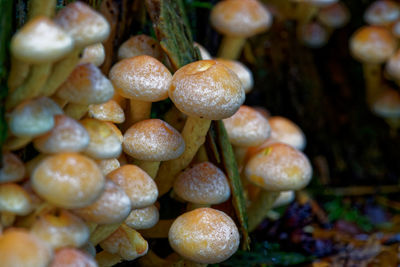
(313, 34)
(137, 184)
(20, 248)
(204, 183)
(318, 3)
(108, 165)
(40, 40)
(205, 55)
(68, 180)
(13, 169)
(105, 139)
(247, 127)
(285, 131)
(279, 167)
(206, 89)
(382, 13)
(67, 135)
(83, 23)
(113, 206)
(14, 199)
(335, 15)
(140, 45)
(153, 140)
(144, 218)
(94, 54)
(68, 257)
(372, 44)
(244, 73)
(141, 78)
(388, 104)
(284, 198)
(33, 117)
(61, 230)
(204, 236)
(240, 18)
(393, 66)
(86, 85)
(109, 111)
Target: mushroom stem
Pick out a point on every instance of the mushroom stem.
(16, 142)
(372, 76)
(260, 207)
(194, 134)
(394, 124)
(7, 219)
(305, 12)
(193, 206)
(139, 111)
(18, 73)
(76, 111)
(102, 232)
(42, 8)
(160, 230)
(231, 47)
(151, 259)
(150, 167)
(240, 156)
(106, 259)
(201, 155)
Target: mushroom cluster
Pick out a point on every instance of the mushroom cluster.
(89, 196)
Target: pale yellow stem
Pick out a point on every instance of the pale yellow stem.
(258, 210)
(60, 102)
(194, 135)
(373, 82)
(201, 155)
(240, 156)
(151, 259)
(231, 47)
(102, 232)
(160, 230)
(76, 111)
(18, 73)
(150, 167)
(106, 259)
(175, 118)
(7, 219)
(140, 110)
(42, 8)
(193, 206)
(14, 142)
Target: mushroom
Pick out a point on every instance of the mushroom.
(284, 198)
(94, 54)
(244, 74)
(387, 106)
(238, 20)
(108, 165)
(109, 111)
(12, 168)
(67, 257)
(312, 34)
(143, 218)
(204, 235)
(334, 16)
(140, 45)
(203, 52)
(382, 13)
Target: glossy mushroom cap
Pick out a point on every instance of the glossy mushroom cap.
(285, 131)
(203, 183)
(206, 89)
(204, 235)
(142, 78)
(244, 74)
(382, 13)
(83, 23)
(279, 167)
(388, 104)
(94, 54)
(240, 18)
(334, 16)
(313, 35)
(247, 127)
(140, 45)
(109, 111)
(144, 218)
(372, 44)
(153, 140)
(12, 170)
(14, 199)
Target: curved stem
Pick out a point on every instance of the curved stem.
(373, 83)
(150, 167)
(259, 208)
(231, 47)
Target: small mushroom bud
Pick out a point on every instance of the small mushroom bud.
(244, 74)
(334, 16)
(140, 45)
(109, 111)
(144, 218)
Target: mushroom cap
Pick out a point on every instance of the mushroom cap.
(372, 44)
(382, 13)
(140, 45)
(285, 131)
(240, 18)
(284, 198)
(144, 218)
(313, 35)
(12, 170)
(279, 167)
(244, 74)
(388, 104)
(203, 183)
(247, 127)
(396, 29)
(153, 140)
(68, 257)
(334, 16)
(109, 111)
(83, 23)
(113, 206)
(40, 41)
(203, 52)
(14, 199)
(206, 89)
(19, 248)
(393, 66)
(204, 235)
(67, 135)
(137, 184)
(108, 165)
(86, 85)
(68, 180)
(94, 54)
(141, 78)
(318, 3)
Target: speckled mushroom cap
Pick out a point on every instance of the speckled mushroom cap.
(140, 45)
(83, 23)
(203, 183)
(12, 170)
(14, 199)
(334, 16)
(247, 127)
(137, 184)
(94, 54)
(372, 44)
(387, 105)
(204, 235)
(279, 167)
(382, 13)
(393, 66)
(109, 111)
(285, 131)
(142, 78)
(144, 218)
(67, 257)
(312, 34)
(41, 40)
(108, 165)
(153, 140)
(206, 89)
(19, 248)
(240, 18)
(86, 85)
(68, 180)
(244, 74)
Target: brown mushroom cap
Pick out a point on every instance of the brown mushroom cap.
(372, 44)
(140, 45)
(203, 183)
(206, 89)
(247, 127)
(153, 140)
(241, 18)
(68, 180)
(382, 13)
(69, 257)
(204, 235)
(12, 170)
(137, 184)
(109, 111)
(144, 218)
(244, 74)
(279, 167)
(285, 131)
(334, 16)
